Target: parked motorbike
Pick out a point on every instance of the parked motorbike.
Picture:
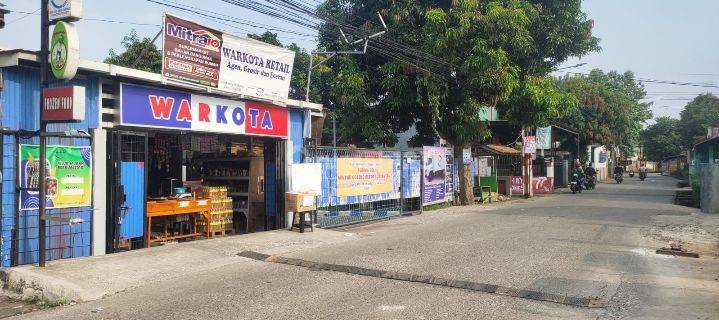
(590, 182)
(642, 175)
(575, 185)
(619, 178)
(631, 174)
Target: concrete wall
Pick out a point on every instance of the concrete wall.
(708, 178)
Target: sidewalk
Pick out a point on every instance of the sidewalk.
(87, 279)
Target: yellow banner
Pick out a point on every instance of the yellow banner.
(363, 176)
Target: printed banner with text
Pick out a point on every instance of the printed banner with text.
(69, 176)
(364, 176)
(435, 169)
(200, 55)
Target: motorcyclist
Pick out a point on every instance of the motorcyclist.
(590, 173)
(578, 171)
(618, 170)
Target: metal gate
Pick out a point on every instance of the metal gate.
(127, 181)
(335, 211)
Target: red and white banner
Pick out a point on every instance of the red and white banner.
(143, 106)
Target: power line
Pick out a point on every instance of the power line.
(677, 83)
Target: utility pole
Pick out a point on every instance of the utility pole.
(44, 81)
(330, 55)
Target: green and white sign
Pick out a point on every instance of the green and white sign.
(64, 51)
(69, 176)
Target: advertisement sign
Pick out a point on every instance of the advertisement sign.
(69, 176)
(364, 176)
(434, 160)
(485, 166)
(200, 55)
(540, 185)
(191, 52)
(529, 144)
(517, 185)
(467, 156)
(64, 50)
(69, 10)
(544, 138)
(169, 109)
(255, 69)
(63, 104)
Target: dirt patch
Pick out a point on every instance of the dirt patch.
(690, 234)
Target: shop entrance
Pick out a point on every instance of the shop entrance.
(127, 178)
(191, 185)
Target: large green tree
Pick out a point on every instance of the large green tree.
(662, 139)
(479, 53)
(611, 111)
(134, 46)
(698, 115)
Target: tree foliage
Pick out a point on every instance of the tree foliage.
(481, 52)
(151, 61)
(610, 111)
(698, 115)
(662, 139)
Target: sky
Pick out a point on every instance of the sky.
(669, 40)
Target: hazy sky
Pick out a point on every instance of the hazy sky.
(672, 40)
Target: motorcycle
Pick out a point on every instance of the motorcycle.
(618, 177)
(642, 175)
(575, 185)
(631, 174)
(590, 182)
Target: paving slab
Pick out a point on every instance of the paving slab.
(91, 278)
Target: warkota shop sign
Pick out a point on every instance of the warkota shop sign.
(169, 109)
(63, 104)
(196, 54)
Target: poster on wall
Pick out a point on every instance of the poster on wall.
(306, 177)
(142, 106)
(364, 176)
(485, 166)
(196, 54)
(69, 176)
(434, 160)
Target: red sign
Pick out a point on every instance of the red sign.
(63, 104)
(265, 120)
(540, 185)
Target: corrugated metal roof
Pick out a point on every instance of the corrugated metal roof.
(500, 149)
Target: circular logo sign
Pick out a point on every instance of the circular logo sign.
(64, 51)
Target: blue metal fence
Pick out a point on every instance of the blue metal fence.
(334, 210)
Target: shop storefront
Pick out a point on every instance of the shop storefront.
(195, 165)
(148, 143)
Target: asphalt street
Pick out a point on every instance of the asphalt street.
(591, 245)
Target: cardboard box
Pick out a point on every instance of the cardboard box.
(300, 201)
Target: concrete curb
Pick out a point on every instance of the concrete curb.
(30, 285)
(584, 302)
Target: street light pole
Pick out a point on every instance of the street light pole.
(44, 80)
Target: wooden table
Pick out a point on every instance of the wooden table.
(166, 208)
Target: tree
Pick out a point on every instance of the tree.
(481, 51)
(698, 115)
(151, 60)
(662, 139)
(610, 111)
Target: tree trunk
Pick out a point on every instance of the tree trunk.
(466, 194)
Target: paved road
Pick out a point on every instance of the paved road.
(592, 245)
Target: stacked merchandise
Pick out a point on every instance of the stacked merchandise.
(221, 211)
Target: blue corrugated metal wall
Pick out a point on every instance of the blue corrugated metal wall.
(20, 101)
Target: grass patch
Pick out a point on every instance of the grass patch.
(438, 206)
